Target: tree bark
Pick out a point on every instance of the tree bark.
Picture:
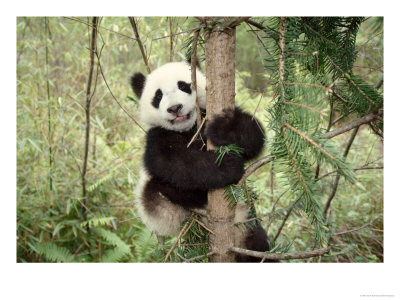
(220, 45)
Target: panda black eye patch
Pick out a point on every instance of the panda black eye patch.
(157, 98)
(184, 87)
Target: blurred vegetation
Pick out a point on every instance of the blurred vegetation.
(50, 145)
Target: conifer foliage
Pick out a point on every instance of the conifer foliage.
(311, 62)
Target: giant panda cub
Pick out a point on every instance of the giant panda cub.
(174, 178)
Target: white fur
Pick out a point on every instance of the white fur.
(167, 218)
(241, 230)
(166, 79)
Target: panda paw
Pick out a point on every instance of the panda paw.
(221, 129)
(233, 167)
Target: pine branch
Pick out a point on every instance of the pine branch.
(366, 119)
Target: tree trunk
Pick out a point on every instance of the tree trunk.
(220, 73)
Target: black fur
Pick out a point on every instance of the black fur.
(236, 127)
(197, 62)
(256, 240)
(187, 198)
(137, 82)
(168, 159)
(184, 87)
(157, 99)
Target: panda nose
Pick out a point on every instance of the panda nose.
(174, 109)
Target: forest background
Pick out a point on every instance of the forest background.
(52, 70)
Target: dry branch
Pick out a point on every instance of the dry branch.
(181, 234)
(281, 256)
(134, 27)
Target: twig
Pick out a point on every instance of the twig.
(336, 184)
(352, 230)
(287, 217)
(100, 27)
(379, 84)
(133, 23)
(355, 169)
(93, 50)
(281, 256)
(259, 101)
(326, 88)
(49, 117)
(197, 133)
(194, 71)
(182, 233)
(363, 120)
(321, 113)
(310, 140)
(112, 94)
(239, 20)
(254, 166)
(171, 40)
(197, 257)
(171, 35)
(204, 226)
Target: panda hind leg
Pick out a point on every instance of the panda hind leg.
(256, 240)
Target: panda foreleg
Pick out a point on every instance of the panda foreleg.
(191, 169)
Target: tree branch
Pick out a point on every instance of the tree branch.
(194, 79)
(254, 166)
(363, 120)
(355, 169)
(281, 256)
(336, 184)
(116, 100)
(93, 49)
(287, 217)
(133, 23)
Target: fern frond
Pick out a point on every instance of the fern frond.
(54, 253)
(97, 221)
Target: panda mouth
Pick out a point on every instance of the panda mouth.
(179, 119)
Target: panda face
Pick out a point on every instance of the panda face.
(167, 98)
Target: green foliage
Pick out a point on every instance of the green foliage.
(308, 57)
(194, 245)
(54, 253)
(120, 250)
(221, 151)
(348, 60)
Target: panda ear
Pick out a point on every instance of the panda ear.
(197, 62)
(137, 83)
